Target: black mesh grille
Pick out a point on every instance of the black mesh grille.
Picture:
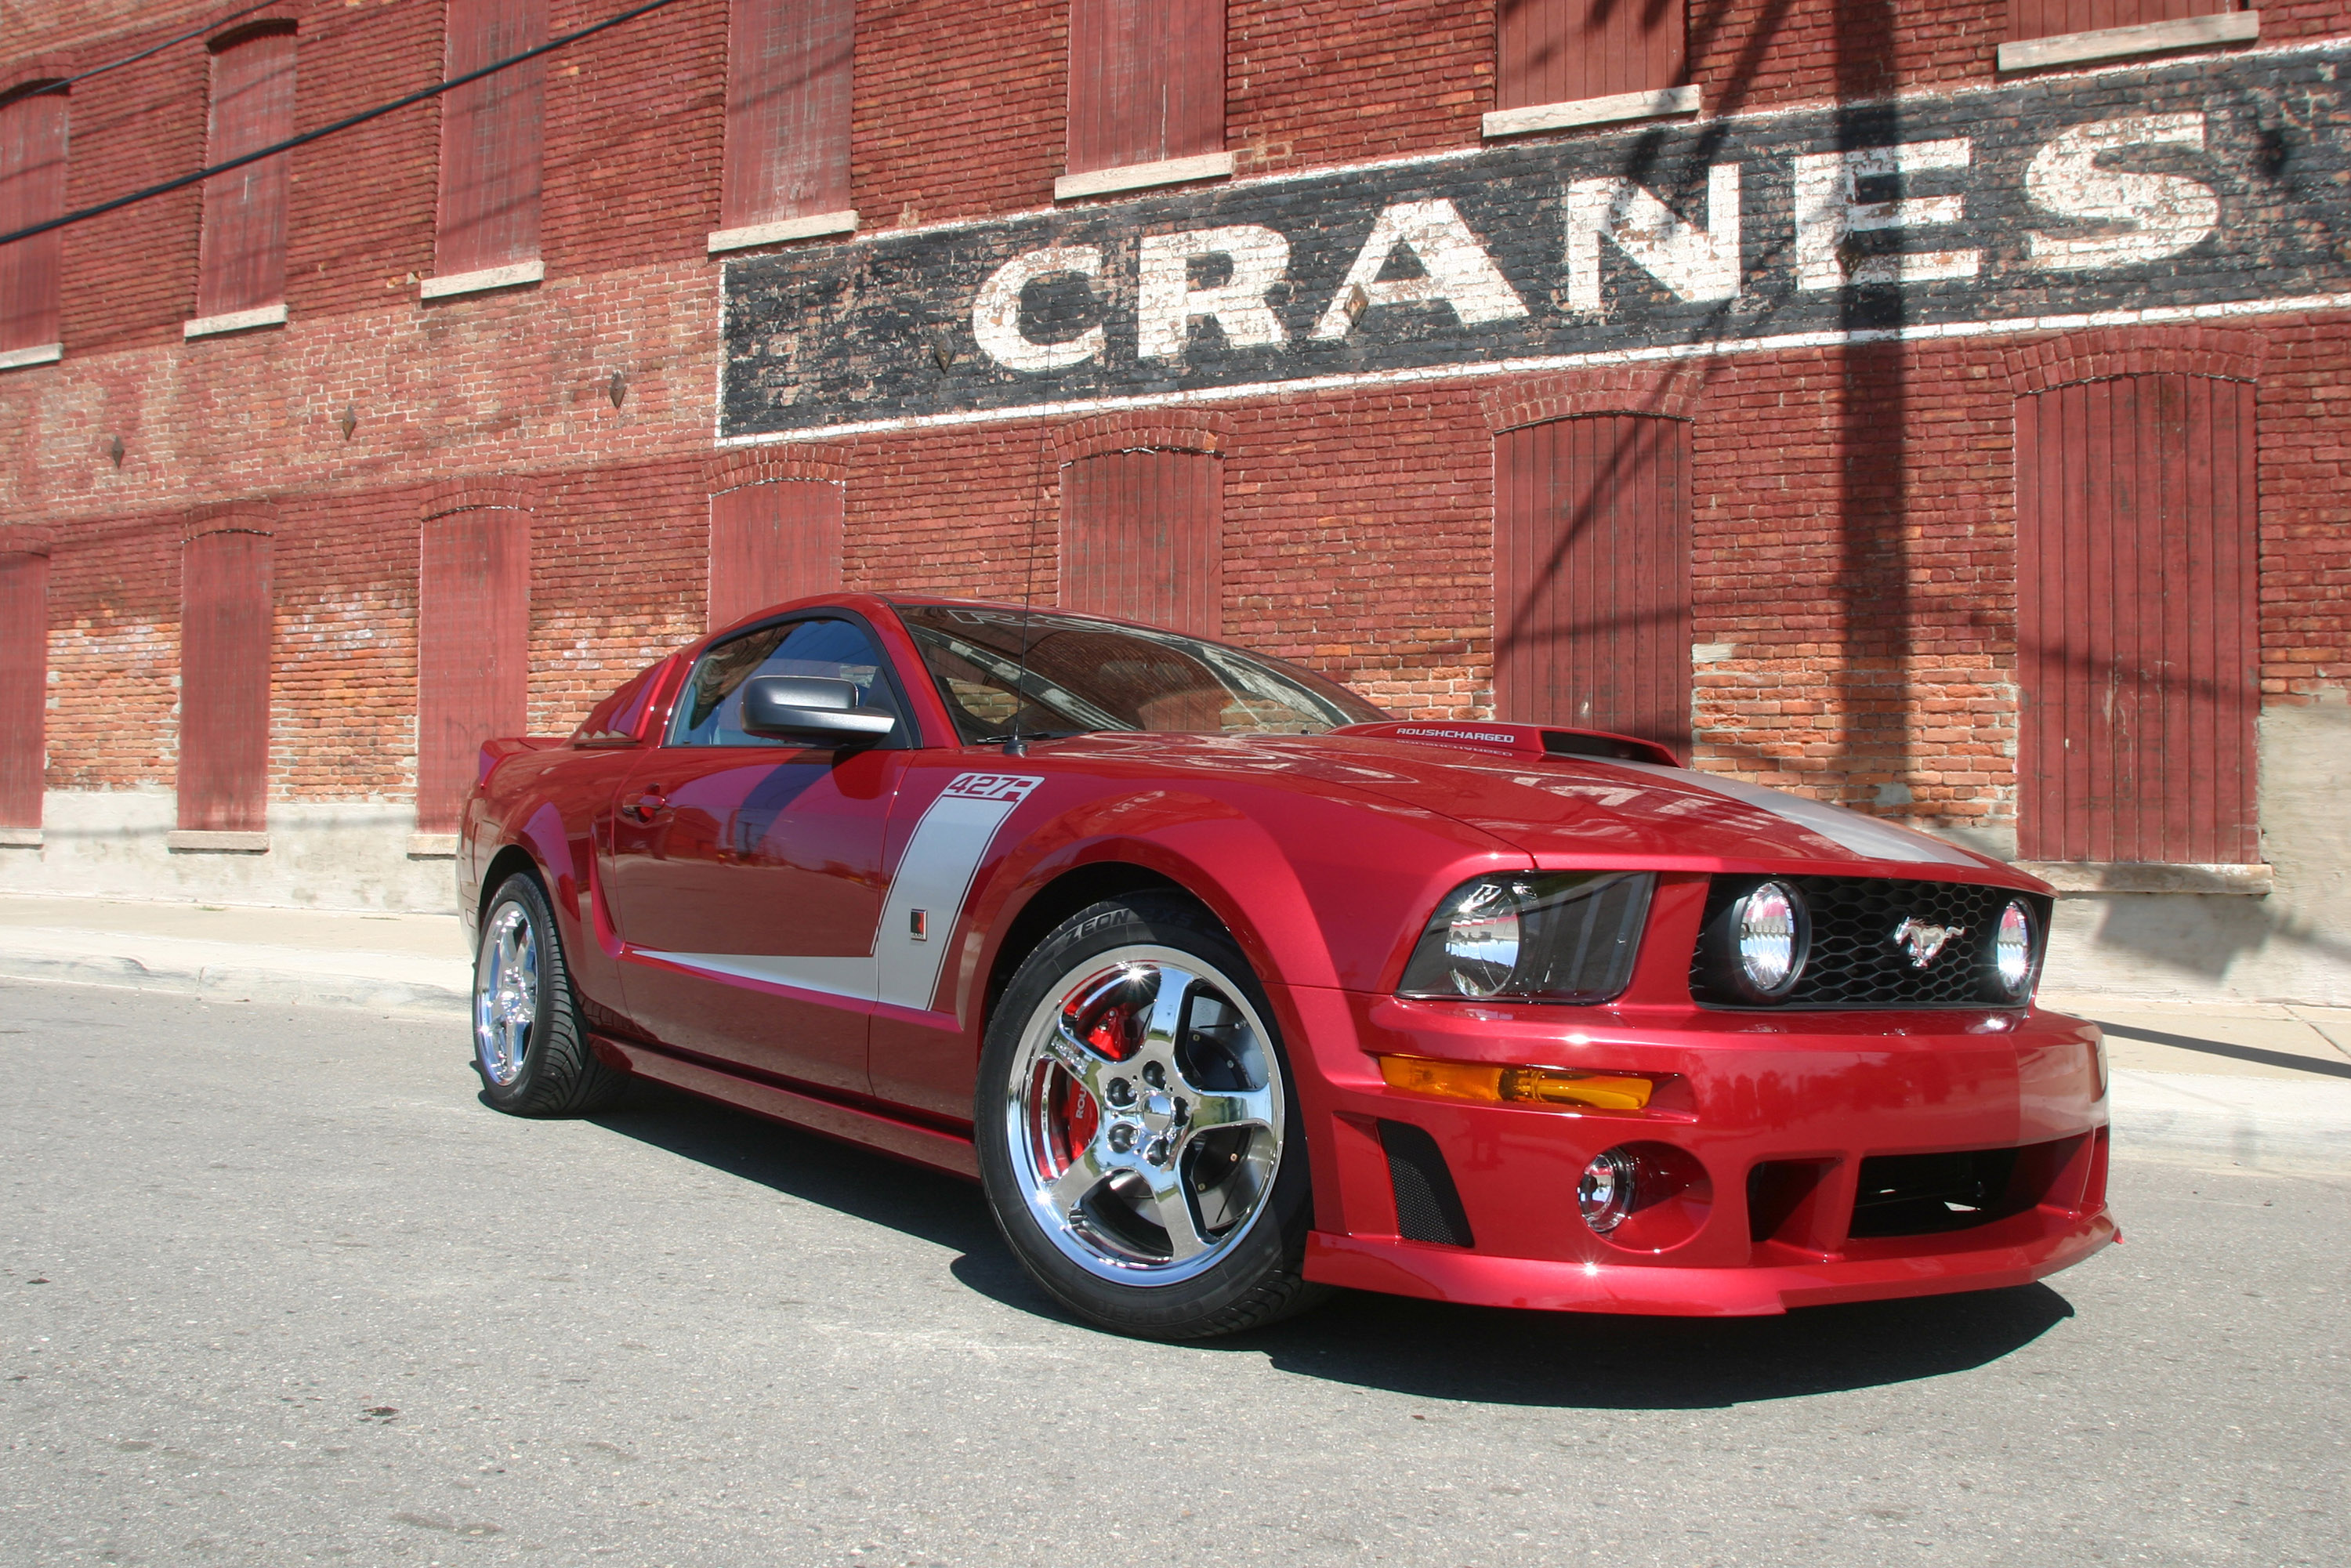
(1428, 1206)
(1855, 960)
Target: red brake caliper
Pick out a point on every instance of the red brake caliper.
(1073, 1108)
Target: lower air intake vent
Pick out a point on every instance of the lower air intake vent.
(1428, 1206)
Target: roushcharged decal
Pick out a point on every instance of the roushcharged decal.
(2204, 185)
(934, 878)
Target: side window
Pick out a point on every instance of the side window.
(710, 709)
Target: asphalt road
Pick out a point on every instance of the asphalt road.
(277, 1289)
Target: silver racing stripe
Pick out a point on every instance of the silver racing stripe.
(1865, 836)
(933, 875)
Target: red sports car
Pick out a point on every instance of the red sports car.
(1229, 987)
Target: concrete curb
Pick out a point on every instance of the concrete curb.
(2285, 1126)
(349, 978)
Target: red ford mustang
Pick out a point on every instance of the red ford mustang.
(1228, 987)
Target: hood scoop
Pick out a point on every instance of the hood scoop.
(1521, 741)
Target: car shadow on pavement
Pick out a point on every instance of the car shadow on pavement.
(1481, 1354)
(1612, 1362)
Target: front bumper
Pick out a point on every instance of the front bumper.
(1770, 1118)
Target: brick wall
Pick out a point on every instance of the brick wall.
(1854, 523)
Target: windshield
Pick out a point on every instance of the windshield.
(1079, 674)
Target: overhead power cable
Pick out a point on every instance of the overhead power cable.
(212, 27)
(307, 137)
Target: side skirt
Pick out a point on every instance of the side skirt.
(945, 1151)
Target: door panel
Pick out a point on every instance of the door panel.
(742, 875)
(753, 873)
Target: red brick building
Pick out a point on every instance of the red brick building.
(1946, 415)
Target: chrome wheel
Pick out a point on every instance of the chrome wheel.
(1144, 1115)
(505, 993)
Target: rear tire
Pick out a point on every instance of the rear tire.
(1138, 1126)
(528, 1043)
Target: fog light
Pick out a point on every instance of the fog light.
(1605, 1191)
(2012, 950)
(1771, 939)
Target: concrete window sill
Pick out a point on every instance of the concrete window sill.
(2077, 879)
(235, 321)
(20, 838)
(1144, 176)
(204, 841)
(781, 230)
(1617, 107)
(432, 846)
(2128, 43)
(487, 279)
(38, 354)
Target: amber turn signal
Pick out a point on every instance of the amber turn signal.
(1559, 1086)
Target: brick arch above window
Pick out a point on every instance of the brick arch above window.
(229, 516)
(2106, 352)
(766, 466)
(253, 27)
(478, 494)
(1666, 392)
(1148, 432)
(27, 539)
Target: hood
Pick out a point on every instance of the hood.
(1624, 811)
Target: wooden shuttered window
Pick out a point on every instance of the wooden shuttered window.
(789, 68)
(24, 684)
(1592, 575)
(226, 615)
(244, 251)
(1558, 51)
(1140, 538)
(1146, 81)
(473, 650)
(2048, 19)
(2136, 622)
(32, 190)
(772, 542)
(490, 138)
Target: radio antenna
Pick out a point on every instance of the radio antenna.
(1013, 745)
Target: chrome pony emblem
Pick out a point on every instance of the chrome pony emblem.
(1923, 941)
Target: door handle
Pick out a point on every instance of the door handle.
(645, 806)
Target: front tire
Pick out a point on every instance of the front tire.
(1137, 1127)
(529, 1044)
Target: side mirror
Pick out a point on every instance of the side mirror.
(812, 709)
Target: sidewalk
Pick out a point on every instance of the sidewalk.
(2261, 1087)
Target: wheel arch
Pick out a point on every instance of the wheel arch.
(513, 858)
(1062, 897)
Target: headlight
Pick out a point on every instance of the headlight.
(1560, 937)
(2011, 951)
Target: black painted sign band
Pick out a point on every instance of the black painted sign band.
(2198, 183)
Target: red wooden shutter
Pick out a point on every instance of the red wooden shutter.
(244, 265)
(490, 137)
(23, 685)
(1592, 575)
(2047, 18)
(787, 86)
(773, 542)
(1557, 51)
(2136, 622)
(1140, 538)
(1146, 81)
(225, 622)
(32, 190)
(473, 651)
